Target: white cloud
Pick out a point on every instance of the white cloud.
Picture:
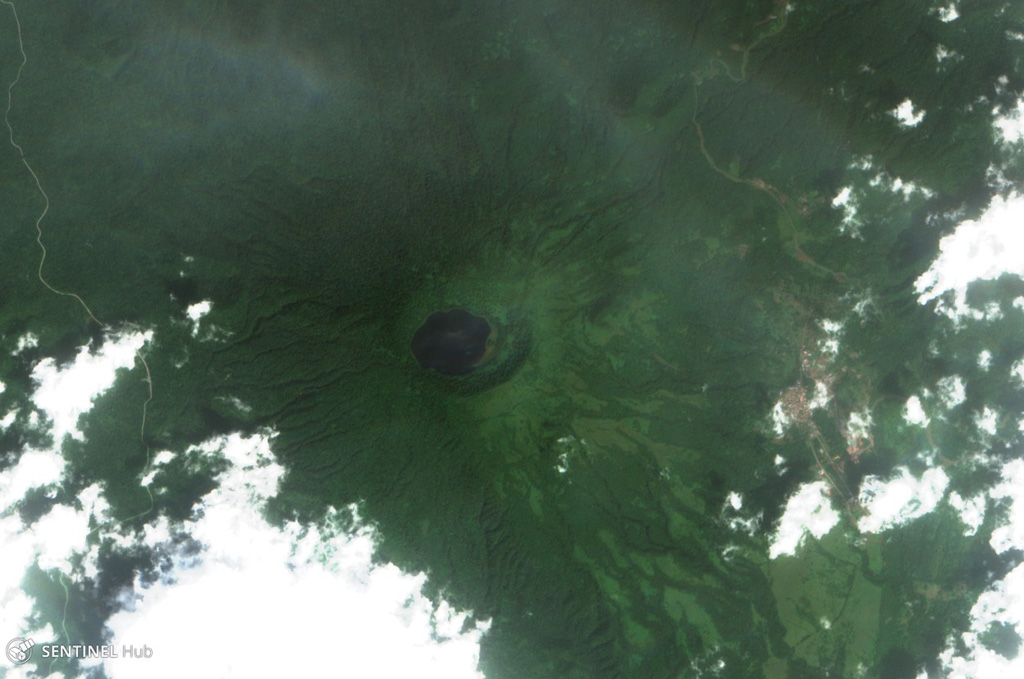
(733, 515)
(273, 601)
(821, 396)
(1010, 535)
(60, 534)
(808, 511)
(948, 13)
(985, 359)
(982, 249)
(863, 303)
(843, 197)
(1011, 124)
(196, 312)
(972, 510)
(64, 394)
(285, 602)
(1004, 601)
(49, 543)
(833, 331)
(26, 341)
(18, 556)
(237, 403)
(199, 309)
(846, 201)
(780, 421)
(986, 421)
(893, 502)
(162, 458)
(906, 115)
(263, 619)
(858, 426)
(943, 54)
(952, 391)
(914, 413)
(35, 468)
(898, 186)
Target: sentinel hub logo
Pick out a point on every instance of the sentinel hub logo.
(20, 651)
